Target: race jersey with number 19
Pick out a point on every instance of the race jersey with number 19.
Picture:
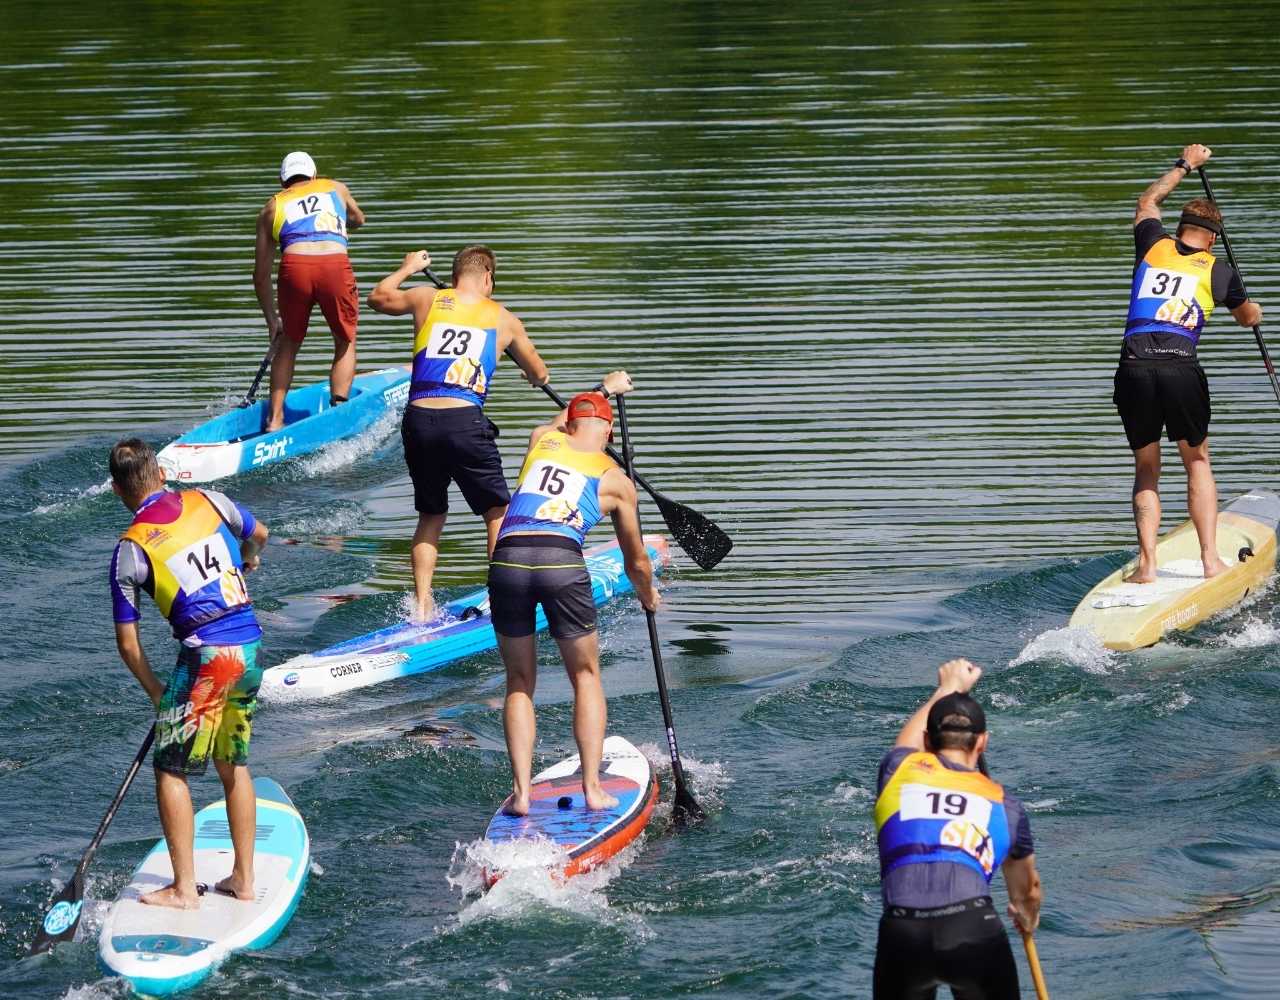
(184, 550)
(559, 490)
(456, 350)
(310, 213)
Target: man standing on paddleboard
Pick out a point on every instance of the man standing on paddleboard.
(310, 219)
(567, 484)
(460, 334)
(944, 828)
(190, 552)
(1160, 384)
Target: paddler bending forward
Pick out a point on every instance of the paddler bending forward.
(190, 552)
(567, 484)
(944, 828)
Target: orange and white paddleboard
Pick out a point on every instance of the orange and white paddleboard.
(558, 812)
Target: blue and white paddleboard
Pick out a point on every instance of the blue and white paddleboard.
(161, 950)
(464, 627)
(234, 441)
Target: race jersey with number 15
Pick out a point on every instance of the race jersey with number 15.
(559, 490)
(456, 350)
(310, 213)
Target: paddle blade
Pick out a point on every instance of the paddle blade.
(61, 918)
(699, 536)
(686, 808)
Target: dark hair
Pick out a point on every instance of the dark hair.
(134, 466)
(474, 258)
(1202, 208)
(953, 739)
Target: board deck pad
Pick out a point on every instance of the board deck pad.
(1128, 616)
(463, 628)
(558, 812)
(162, 950)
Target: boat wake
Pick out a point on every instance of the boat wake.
(707, 781)
(58, 506)
(341, 454)
(1076, 646)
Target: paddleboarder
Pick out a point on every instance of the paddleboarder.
(309, 219)
(190, 551)
(1160, 385)
(567, 484)
(944, 828)
(460, 334)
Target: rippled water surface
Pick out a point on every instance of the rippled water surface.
(868, 265)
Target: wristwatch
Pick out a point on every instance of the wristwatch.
(1180, 162)
(601, 389)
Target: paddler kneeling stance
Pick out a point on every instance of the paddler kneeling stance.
(944, 828)
(567, 484)
(189, 551)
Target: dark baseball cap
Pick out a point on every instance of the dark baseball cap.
(956, 713)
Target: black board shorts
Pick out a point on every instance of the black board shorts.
(454, 444)
(528, 570)
(963, 946)
(1152, 396)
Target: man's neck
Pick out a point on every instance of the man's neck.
(961, 757)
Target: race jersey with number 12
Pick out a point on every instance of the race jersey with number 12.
(559, 490)
(310, 213)
(456, 350)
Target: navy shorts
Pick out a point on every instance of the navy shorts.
(455, 444)
(528, 570)
(1154, 396)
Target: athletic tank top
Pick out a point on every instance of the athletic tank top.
(1172, 294)
(195, 560)
(929, 813)
(559, 491)
(309, 213)
(456, 351)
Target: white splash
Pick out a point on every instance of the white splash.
(1077, 646)
(85, 494)
(1001, 700)
(1253, 634)
(846, 792)
(707, 780)
(341, 454)
(339, 522)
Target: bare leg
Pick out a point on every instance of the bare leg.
(425, 551)
(1146, 510)
(281, 378)
(590, 712)
(178, 822)
(520, 655)
(242, 815)
(492, 522)
(343, 370)
(1202, 499)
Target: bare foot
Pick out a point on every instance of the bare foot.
(599, 799)
(273, 425)
(516, 805)
(1215, 567)
(169, 896)
(232, 886)
(423, 612)
(1141, 576)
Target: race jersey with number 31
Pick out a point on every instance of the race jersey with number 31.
(1172, 293)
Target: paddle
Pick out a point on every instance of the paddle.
(1033, 960)
(686, 807)
(1257, 330)
(63, 916)
(251, 395)
(699, 536)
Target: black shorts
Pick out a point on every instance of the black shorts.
(528, 570)
(1155, 395)
(453, 444)
(967, 950)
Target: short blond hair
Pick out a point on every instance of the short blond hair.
(474, 259)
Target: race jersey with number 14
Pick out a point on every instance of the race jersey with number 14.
(559, 490)
(456, 350)
(310, 213)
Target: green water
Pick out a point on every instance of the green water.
(868, 265)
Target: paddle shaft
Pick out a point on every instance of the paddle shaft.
(262, 370)
(1257, 329)
(1033, 960)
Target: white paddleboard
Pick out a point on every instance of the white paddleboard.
(162, 950)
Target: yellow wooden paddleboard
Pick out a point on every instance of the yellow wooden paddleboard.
(1131, 615)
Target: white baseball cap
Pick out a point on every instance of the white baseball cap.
(297, 164)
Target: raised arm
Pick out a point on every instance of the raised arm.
(954, 677)
(1149, 203)
(264, 255)
(355, 215)
(390, 299)
(513, 339)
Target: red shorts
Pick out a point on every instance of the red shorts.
(324, 279)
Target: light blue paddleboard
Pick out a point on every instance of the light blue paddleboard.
(161, 950)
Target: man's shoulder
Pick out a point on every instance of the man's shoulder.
(891, 761)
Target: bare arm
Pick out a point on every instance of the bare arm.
(355, 215)
(954, 677)
(626, 525)
(251, 547)
(1149, 202)
(513, 340)
(135, 658)
(390, 299)
(1025, 896)
(1248, 313)
(264, 255)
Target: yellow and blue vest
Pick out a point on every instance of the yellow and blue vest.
(309, 213)
(1172, 292)
(559, 490)
(456, 351)
(196, 569)
(929, 813)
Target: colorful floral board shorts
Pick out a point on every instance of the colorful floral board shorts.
(207, 708)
